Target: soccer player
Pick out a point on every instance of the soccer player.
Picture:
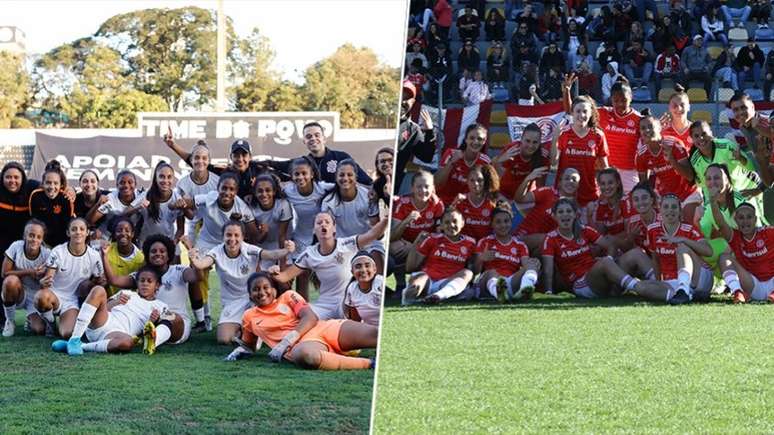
(111, 324)
(519, 159)
(637, 260)
(157, 206)
(478, 204)
(291, 327)
(23, 267)
(198, 182)
(676, 249)
(444, 260)
(675, 121)
(123, 257)
(73, 269)
(456, 163)
(608, 213)
(235, 260)
(273, 215)
(49, 204)
(116, 202)
(503, 262)
(328, 259)
(88, 198)
(363, 297)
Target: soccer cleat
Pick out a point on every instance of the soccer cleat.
(199, 327)
(372, 366)
(432, 300)
(207, 323)
(352, 353)
(74, 346)
(527, 292)
(502, 289)
(680, 297)
(740, 297)
(405, 299)
(9, 329)
(771, 298)
(149, 338)
(50, 329)
(59, 346)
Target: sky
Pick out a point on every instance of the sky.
(301, 32)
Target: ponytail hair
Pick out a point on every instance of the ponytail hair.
(54, 167)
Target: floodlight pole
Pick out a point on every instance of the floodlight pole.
(220, 103)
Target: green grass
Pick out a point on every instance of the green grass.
(557, 365)
(183, 389)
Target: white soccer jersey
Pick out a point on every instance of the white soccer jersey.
(189, 188)
(333, 270)
(133, 315)
(15, 253)
(114, 207)
(351, 216)
(281, 212)
(368, 305)
(72, 269)
(233, 272)
(167, 223)
(173, 290)
(214, 218)
(306, 208)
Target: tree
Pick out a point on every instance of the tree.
(14, 89)
(251, 70)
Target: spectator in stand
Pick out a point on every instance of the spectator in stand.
(636, 33)
(621, 22)
(724, 69)
(602, 25)
(413, 140)
(416, 53)
(638, 65)
(497, 64)
(667, 66)
(418, 37)
(609, 54)
(522, 36)
(702, 7)
(434, 37)
(440, 67)
(443, 16)
(682, 24)
(665, 34)
(713, 27)
(552, 59)
(608, 78)
(573, 36)
(696, 64)
(417, 77)
(581, 64)
(750, 60)
(768, 74)
(529, 17)
(494, 25)
(466, 78)
(643, 6)
(469, 57)
(528, 89)
(469, 24)
(761, 12)
(476, 91)
(576, 59)
(735, 9)
(551, 90)
(549, 23)
(577, 10)
(522, 57)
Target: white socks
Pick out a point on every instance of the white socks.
(628, 282)
(206, 309)
(651, 274)
(731, 278)
(491, 285)
(48, 316)
(199, 314)
(98, 346)
(529, 279)
(684, 277)
(10, 312)
(162, 334)
(84, 318)
(452, 288)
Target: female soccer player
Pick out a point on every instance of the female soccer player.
(519, 159)
(675, 121)
(664, 160)
(273, 215)
(363, 297)
(382, 188)
(88, 198)
(503, 262)
(608, 213)
(532, 230)
(235, 260)
(123, 257)
(749, 272)
(116, 202)
(644, 201)
(23, 267)
(175, 291)
(49, 205)
(676, 248)
(568, 249)
(198, 182)
(111, 324)
(328, 259)
(477, 205)
(157, 206)
(73, 269)
(444, 259)
(582, 146)
(451, 177)
(292, 329)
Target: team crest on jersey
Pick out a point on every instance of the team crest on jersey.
(514, 251)
(282, 308)
(57, 209)
(166, 286)
(759, 243)
(339, 258)
(464, 250)
(244, 268)
(485, 213)
(361, 214)
(331, 167)
(581, 242)
(592, 143)
(630, 123)
(429, 215)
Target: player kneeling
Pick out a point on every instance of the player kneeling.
(111, 324)
(363, 297)
(291, 328)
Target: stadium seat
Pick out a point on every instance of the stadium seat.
(725, 94)
(697, 95)
(723, 118)
(736, 50)
(664, 94)
(701, 115)
(499, 140)
(498, 117)
(714, 52)
(737, 34)
(755, 94)
(641, 95)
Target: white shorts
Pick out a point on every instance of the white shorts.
(66, 302)
(234, 310)
(762, 289)
(434, 286)
(629, 179)
(375, 246)
(694, 198)
(112, 325)
(28, 304)
(706, 279)
(186, 329)
(581, 289)
(326, 311)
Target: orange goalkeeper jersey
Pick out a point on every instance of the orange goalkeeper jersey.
(270, 323)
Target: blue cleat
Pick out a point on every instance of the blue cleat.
(74, 346)
(59, 346)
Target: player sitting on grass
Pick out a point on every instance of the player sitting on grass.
(507, 271)
(445, 257)
(111, 324)
(290, 326)
(363, 298)
(23, 266)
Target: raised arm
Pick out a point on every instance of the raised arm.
(376, 232)
(522, 193)
(415, 259)
(720, 220)
(119, 281)
(276, 254)
(199, 261)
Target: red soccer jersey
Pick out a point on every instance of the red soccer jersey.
(581, 153)
(516, 168)
(622, 133)
(426, 221)
(507, 259)
(666, 251)
(668, 180)
(458, 178)
(639, 230)
(478, 218)
(611, 219)
(539, 219)
(685, 136)
(571, 258)
(754, 254)
(445, 257)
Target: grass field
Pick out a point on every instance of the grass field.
(180, 389)
(558, 365)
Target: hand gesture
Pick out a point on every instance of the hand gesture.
(290, 246)
(414, 215)
(168, 138)
(69, 193)
(274, 270)
(193, 253)
(426, 121)
(144, 204)
(154, 316)
(40, 271)
(487, 255)
(537, 173)
(421, 238)
(186, 241)
(508, 154)
(456, 156)
(569, 79)
(666, 119)
(103, 199)
(105, 248)
(123, 299)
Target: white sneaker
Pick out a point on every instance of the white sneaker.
(9, 329)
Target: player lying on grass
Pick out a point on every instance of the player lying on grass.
(363, 297)
(748, 272)
(74, 268)
(175, 291)
(111, 324)
(290, 326)
(23, 266)
(507, 271)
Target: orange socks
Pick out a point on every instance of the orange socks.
(334, 361)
